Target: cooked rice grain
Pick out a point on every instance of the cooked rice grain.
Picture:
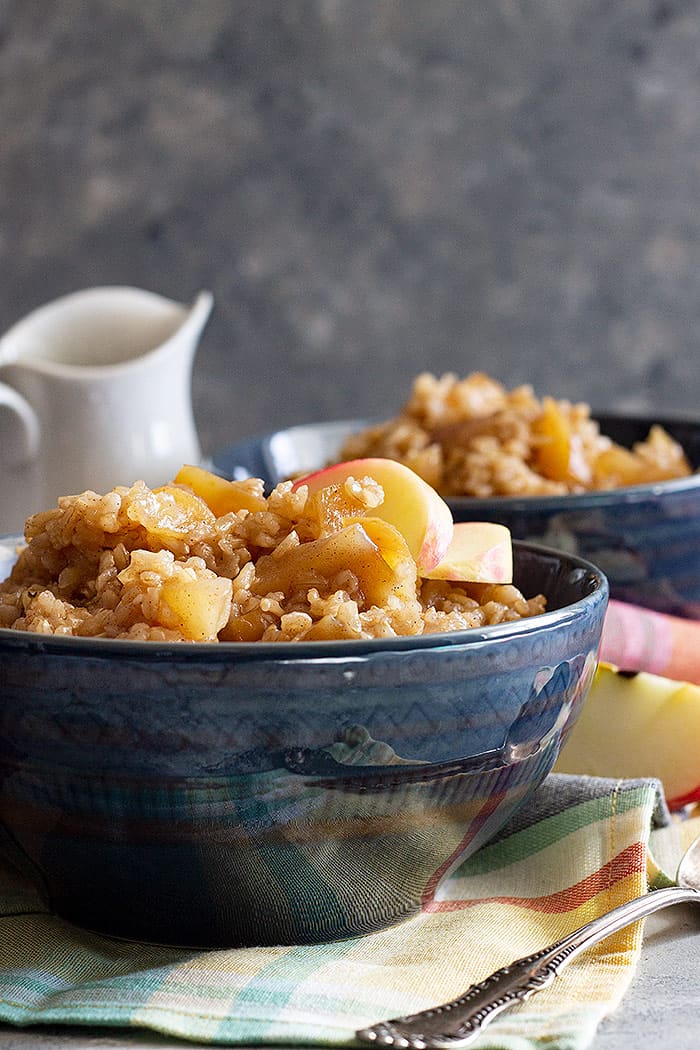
(160, 565)
(473, 437)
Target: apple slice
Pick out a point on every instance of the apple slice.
(382, 571)
(480, 552)
(638, 725)
(389, 542)
(410, 504)
(219, 494)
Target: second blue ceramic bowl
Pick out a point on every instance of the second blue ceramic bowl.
(226, 794)
(646, 538)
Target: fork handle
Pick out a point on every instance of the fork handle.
(458, 1023)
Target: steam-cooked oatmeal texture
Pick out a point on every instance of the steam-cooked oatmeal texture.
(473, 437)
(164, 565)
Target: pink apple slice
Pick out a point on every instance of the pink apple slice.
(480, 552)
(410, 504)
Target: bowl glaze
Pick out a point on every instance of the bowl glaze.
(227, 794)
(646, 538)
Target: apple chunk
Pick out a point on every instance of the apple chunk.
(638, 725)
(199, 607)
(381, 562)
(410, 504)
(220, 495)
(480, 552)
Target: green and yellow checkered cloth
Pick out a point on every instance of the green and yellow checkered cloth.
(580, 847)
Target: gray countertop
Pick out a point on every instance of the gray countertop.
(661, 1008)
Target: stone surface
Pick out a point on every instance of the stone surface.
(370, 188)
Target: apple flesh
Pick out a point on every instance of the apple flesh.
(638, 725)
(410, 504)
(219, 494)
(480, 552)
(374, 552)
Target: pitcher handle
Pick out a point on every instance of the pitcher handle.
(20, 430)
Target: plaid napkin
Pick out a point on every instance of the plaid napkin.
(577, 849)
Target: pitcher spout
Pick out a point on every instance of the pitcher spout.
(98, 385)
(103, 327)
(198, 315)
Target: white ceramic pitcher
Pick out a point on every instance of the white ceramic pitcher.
(95, 391)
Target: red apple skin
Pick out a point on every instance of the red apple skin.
(410, 504)
(685, 800)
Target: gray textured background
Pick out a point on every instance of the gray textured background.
(370, 188)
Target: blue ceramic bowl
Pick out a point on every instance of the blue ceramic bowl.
(645, 538)
(217, 795)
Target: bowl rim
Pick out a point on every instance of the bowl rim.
(259, 447)
(317, 651)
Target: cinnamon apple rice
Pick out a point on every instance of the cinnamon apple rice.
(161, 565)
(473, 437)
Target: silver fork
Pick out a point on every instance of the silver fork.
(458, 1023)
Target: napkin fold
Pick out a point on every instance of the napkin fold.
(579, 847)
